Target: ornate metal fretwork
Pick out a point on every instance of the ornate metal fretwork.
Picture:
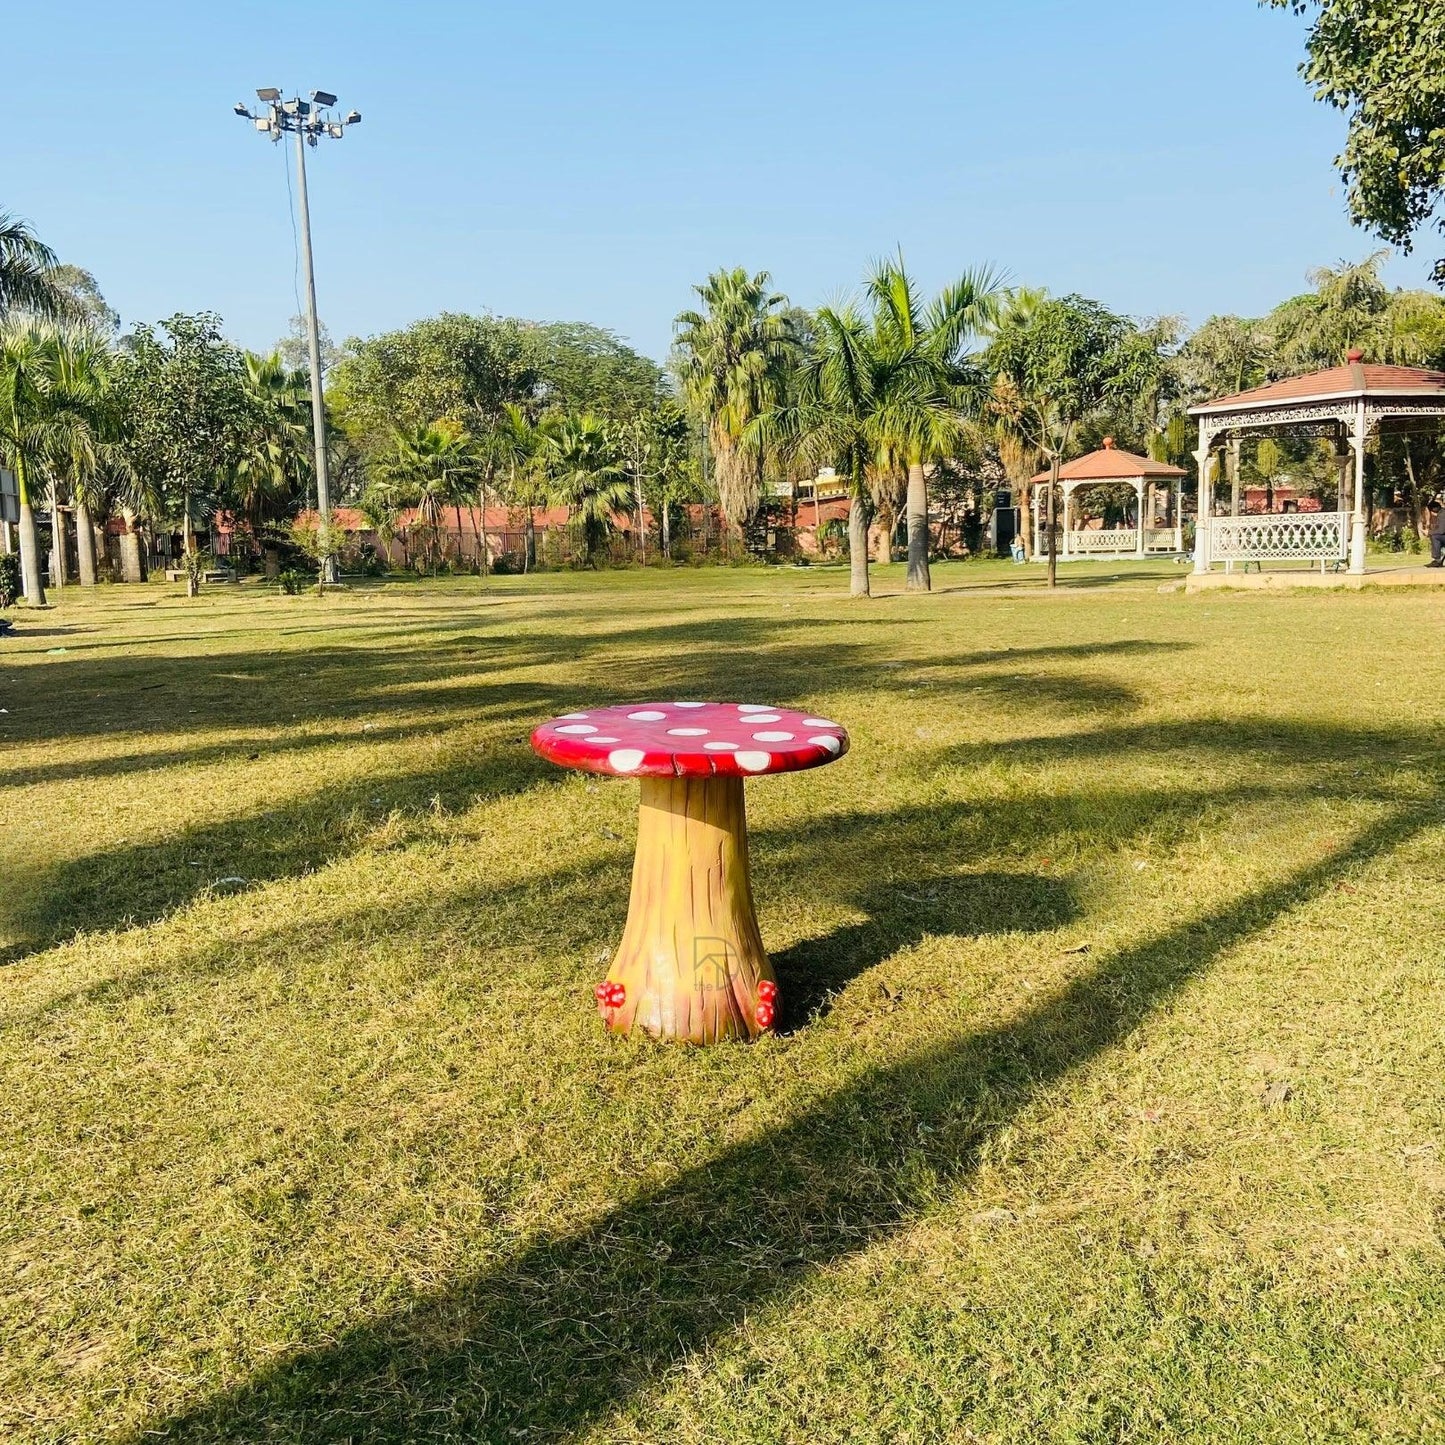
(1095, 540)
(1291, 536)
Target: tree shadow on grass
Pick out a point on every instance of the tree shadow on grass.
(966, 905)
(574, 1325)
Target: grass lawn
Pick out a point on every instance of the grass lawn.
(1108, 1104)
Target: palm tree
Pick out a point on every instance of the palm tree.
(27, 280)
(431, 467)
(831, 419)
(517, 446)
(733, 358)
(91, 457)
(929, 387)
(587, 476)
(42, 422)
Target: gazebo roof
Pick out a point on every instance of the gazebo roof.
(1110, 464)
(1337, 383)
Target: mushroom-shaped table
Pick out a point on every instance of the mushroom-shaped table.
(691, 963)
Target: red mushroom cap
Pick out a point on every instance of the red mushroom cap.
(764, 1015)
(767, 990)
(690, 739)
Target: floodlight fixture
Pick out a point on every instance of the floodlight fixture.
(241, 108)
(353, 117)
(323, 98)
(269, 94)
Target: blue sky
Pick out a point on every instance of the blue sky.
(590, 162)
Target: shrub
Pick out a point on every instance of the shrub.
(10, 581)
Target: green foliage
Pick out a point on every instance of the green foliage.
(28, 281)
(584, 467)
(734, 357)
(190, 411)
(1067, 359)
(1383, 63)
(467, 369)
(9, 579)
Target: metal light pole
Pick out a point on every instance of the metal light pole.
(308, 121)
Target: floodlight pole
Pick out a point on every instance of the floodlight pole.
(318, 401)
(308, 122)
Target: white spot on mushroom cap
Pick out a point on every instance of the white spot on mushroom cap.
(687, 732)
(753, 707)
(601, 740)
(761, 717)
(773, 737)
(578, 716)
(579, 728)
(824, 741)
(818, 722)
(689, 704)
(646, 716)
(626, 760)
(755, 762)
(721, 747)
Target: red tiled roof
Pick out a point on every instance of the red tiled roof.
(1355, 378)
(1110, 464)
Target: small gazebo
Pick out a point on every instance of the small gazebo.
(1155, 529)
(1347, 404)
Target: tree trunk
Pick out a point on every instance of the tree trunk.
(132, 568)
(7, 545)
(32, 584)
(1026, 519)
(529, 542)
(666, 530)
(887, 520)
(858, 585)
(919, 579)
(691, 958)
(59, 551)
(85, 544)
(1053, 539)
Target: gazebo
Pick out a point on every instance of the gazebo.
(1347, 404)
(1108, 467)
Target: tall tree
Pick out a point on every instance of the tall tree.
(733, 358)
(1068, 359)
(275, 462)
(27, 273)
(189, 410)
(831, 417)
(1382, 62)
(930, 386)
(587, 475)
(44, 422)
(432, 467)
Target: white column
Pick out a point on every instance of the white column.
(1357, 522)
(1038, 510)
(1139, 517)
(1179, 515)
(1234, 477)
(1206, 505)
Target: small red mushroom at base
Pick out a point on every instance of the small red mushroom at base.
(764, 1015)
(768, 991)
(610, 995)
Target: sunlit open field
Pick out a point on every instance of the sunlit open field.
(1107, 1105)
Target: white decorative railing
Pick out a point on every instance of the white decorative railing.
(1280, 537)
(1093, 540)
(1161, 539)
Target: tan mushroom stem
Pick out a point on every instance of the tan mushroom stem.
(691, 957)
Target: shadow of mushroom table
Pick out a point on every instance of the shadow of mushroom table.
(691, 964)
